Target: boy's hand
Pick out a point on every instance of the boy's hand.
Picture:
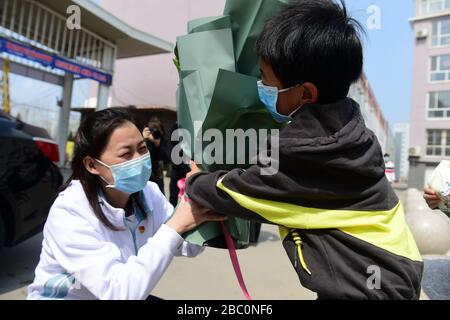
(194, 169)
(431, 198)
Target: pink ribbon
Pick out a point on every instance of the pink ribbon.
(181, 184)
(234, 260)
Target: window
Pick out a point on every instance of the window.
(440, 68)
(438, 143)
(441, 33)
(439, 105)
(433, 6)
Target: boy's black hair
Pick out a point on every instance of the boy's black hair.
(314, 41)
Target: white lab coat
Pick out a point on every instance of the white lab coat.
(83, 259)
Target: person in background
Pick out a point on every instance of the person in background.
(431, 198)
(179, 171)
(389, 168)
(437, 191)
(154, 136)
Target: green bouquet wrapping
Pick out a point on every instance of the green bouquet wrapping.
(218, 70)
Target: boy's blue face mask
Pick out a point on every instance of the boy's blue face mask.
(269, 97)
(130, 176)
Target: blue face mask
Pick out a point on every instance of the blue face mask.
(131, 176)
(269, 97)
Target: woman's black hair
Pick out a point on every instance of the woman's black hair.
(314, 41)
(91, 140)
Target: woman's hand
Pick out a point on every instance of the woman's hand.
(190, 215)
(431, 198)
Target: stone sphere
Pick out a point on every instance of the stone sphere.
(412, 194)
(431, 230)
(415, 200)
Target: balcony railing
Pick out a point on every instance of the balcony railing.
(33, 23)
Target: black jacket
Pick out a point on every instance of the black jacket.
(341, 223)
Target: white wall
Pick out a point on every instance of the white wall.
(154, 79)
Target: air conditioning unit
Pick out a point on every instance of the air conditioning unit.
(421, 33)
(414, 152)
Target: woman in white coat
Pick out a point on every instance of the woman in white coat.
(110, 233)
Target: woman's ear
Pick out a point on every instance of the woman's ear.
(89, 164)
(310, 93)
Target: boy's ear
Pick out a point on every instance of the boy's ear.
(310, 93)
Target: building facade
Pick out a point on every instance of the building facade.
(362, 93)
(430, 110)
(401, 134)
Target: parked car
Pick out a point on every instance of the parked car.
(29, 179)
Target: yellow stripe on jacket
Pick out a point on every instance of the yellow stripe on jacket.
(385, 229)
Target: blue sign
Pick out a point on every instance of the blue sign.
(53, 61)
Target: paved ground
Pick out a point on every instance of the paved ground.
(17, 268)
(266, 268)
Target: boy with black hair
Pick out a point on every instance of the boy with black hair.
(341, 223)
